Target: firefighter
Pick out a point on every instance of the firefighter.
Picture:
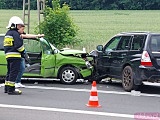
(14, 51)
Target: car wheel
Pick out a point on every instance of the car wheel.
(127, 79)
(68, 75)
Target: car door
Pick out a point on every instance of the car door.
(119, 56)
(103, 59)
(48, 59)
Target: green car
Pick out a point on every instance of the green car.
(44, 61)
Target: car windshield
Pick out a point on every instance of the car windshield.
(155, 43)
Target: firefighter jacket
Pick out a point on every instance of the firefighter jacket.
(13, 44)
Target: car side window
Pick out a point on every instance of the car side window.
(137, 42)
(112, 44)
(46, 48)
(124, 43)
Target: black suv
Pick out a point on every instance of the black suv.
(132, 57)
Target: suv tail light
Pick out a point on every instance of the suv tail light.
(145, 60)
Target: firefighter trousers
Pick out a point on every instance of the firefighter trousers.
(13, 66)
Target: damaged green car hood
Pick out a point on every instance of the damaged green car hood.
(71, 51)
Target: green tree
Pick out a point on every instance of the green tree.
(58, 26)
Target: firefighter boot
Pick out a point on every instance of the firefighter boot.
(12, 91)
(6, 87)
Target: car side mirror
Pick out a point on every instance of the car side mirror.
(100, 47)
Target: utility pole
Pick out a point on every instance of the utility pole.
(40, 8)
(26, 13)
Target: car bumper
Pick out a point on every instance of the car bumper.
(86, 73)
(149, 73)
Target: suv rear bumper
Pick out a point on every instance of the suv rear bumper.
(150, 74)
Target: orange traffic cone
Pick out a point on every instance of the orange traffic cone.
(93, 99)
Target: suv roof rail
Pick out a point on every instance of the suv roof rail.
(135, 32)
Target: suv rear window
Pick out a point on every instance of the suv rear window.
(155, 43)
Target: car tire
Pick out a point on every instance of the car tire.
(128, 79)
(68, 75)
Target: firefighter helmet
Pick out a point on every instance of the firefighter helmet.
(14, 21)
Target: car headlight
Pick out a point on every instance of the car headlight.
(93, 53)
(88, 65)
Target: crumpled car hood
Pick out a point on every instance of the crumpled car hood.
(71, 51)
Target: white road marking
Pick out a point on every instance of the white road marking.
(99, 91)
(68, 111)
(2, 84)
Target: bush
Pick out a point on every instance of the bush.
(58, 26)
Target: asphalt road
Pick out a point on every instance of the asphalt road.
(55, 101)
